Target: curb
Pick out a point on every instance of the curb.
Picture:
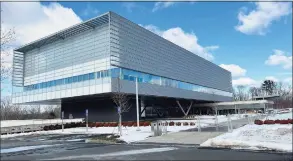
(164, 144)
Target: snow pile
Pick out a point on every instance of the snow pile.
(264, 137)
(9, 123)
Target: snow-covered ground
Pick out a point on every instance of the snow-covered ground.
(129, 133)
(258, 137)
(9, 123)
(281, 116)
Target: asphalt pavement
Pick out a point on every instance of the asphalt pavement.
(74, 147)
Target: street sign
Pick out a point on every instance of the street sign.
(86, 112)
(62, 114)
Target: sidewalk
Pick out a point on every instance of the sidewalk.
(195, 138)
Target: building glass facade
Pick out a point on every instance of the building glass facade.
(129, 75)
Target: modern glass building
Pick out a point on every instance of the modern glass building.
(80, 67)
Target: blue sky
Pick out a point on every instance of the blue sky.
(252, 40)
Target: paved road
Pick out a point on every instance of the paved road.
(66, 150)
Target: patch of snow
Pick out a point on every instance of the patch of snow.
(261, 137)
(10, 123)
(75, 140)
(280, 116)
(23, 148)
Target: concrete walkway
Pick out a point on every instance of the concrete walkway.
(192, 136)
(183, 138)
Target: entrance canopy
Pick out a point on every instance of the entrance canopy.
(258, 104)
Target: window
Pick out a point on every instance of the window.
(92, 76)
(80, 78)
(70, 80)
(74, 79)
(66, 80)
(85, 77)
(132, 78)
(115, 72)
(98, 75)
(125, 77)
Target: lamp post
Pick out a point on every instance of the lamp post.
(137, 108)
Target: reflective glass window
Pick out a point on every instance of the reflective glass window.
(125, 77)
(98, 75)
(92, 76)
(74, 79)
(132, 78)
(115, 72)
(80, 78)
(85, 77)
(70, 80)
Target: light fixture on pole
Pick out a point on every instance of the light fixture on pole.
(137, 108)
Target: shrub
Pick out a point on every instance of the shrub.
(277, 121)
(192, 124)
(115, 124)
(124, 123)
(185, 124)
(134, 123)
(146, 124)
(90, 124)
(46, 128)
(269, 122)
(72, 124)
(51, 127)
(106, 124)
(171, 123)
(141, 123)
(178, 123)
(258, 122)
(129, 124)
(284, 122)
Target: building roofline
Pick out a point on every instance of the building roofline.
(56, 34)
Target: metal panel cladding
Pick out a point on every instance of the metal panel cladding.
(134, 47)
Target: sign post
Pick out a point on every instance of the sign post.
(62, 116)
(86, 115)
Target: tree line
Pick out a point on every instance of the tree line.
(267, 88)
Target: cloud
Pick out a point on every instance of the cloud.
(257, 21)
(33, 21)
(236, 70)
(279, 58)
(129, 6)
(189, 41)
(161, 5)
(245, 81)
(272, 78)
(288, 80)
(89, 11)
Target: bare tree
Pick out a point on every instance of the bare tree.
(122, 103)
(239, 94)
(10, 111)
(285, 95)
(7, 36)
(254, 91)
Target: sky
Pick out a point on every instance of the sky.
(253, 40)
